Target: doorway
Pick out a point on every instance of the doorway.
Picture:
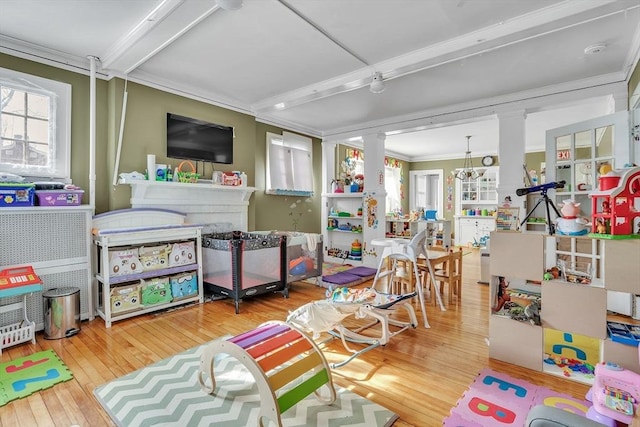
(427, 190)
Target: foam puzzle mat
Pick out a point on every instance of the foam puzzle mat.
(21, 377)
(496, 399)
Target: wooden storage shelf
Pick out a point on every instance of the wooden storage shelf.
(573, 315)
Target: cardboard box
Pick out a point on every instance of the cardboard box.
(182, 253)
(155, 291)
(124, 261)
(125, 298)
(184, 285)
(16, 195)
(154, 257)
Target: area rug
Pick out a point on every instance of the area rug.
(496, 400)
(167, 393)
(21, 377)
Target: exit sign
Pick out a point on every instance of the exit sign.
(564, 155)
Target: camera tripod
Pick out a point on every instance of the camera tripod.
(548, 202)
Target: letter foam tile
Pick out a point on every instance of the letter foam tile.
(496, 399)
(26, 375)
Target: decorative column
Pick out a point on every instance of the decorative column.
(511, 153)
(328, 175)
(373, 203)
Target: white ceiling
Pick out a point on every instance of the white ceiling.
(450, 66)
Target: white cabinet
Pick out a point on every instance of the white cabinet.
(473, 229)
(144, 268)
(344, 226)
(478, 193)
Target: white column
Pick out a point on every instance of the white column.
(511, 152)
(328, 165)
(328, 174)
(373, 204)
(92, 132)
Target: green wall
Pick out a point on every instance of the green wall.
(285, 213)
(79, 123)
(144, 133)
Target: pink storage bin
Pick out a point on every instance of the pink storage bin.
(59, 197)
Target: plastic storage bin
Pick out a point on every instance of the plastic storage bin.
(15, 195)
(59, 197)
(61, 312)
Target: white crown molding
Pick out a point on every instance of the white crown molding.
(190, 92)
(47, 56)
(290, 126)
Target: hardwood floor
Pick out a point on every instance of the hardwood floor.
(420, 374)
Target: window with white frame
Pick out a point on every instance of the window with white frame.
(289, 164)
(35, 118)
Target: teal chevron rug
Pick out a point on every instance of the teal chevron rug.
(167, 393)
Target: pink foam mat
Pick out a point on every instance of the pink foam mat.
(496, 399)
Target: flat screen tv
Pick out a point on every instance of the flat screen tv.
(193, 139)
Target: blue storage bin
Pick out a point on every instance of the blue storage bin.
(16, 195)
(184, 285)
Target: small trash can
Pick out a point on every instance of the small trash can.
(61, 312)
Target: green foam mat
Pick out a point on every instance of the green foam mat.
(26, 375)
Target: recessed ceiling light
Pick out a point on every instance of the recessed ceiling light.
(594, 48)
(279, 106)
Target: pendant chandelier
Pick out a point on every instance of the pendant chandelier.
(468, 172)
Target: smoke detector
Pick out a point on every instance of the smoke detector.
(594, 48)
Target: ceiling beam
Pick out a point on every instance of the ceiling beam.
(474, 43)
(170, 20)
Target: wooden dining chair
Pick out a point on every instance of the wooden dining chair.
(448, 273)
(456, 273)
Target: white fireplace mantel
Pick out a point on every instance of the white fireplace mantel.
(203, 203)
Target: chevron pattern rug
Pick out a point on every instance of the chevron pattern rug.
(167, 393)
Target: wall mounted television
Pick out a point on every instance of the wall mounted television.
(193, 139)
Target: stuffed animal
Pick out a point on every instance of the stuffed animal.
(571, 223)
(503, 295)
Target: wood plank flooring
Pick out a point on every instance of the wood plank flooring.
(420, 374)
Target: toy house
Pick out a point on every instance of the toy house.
(616, 206)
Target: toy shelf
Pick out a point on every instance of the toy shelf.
(23, 331)
(126, 233)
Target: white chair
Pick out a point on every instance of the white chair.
(405, 250)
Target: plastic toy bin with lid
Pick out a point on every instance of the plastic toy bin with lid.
(61, 312)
